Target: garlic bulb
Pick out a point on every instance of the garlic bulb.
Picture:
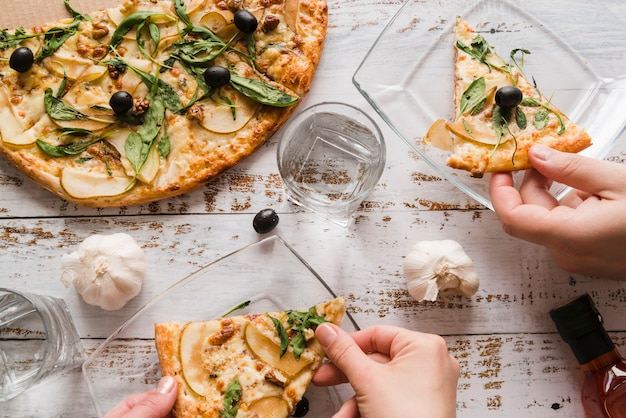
(439, 267)
(107, 270)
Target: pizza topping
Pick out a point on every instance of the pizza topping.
(508, 96)
(231, 399)
(216, 76)
(269, 407)
(107, 270)
(302, 408)
(245, 21)
(21, 59)
(121, 102)
(265, 221)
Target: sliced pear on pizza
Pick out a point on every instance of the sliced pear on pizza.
(256, 365)
(499, 113)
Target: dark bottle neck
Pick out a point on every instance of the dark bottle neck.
(592, 345)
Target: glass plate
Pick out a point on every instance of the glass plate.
(407, 76)
(269, 273)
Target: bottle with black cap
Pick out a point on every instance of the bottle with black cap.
(604, 389)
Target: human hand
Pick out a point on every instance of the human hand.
(156, 403)
(394, 372)
(586, 232)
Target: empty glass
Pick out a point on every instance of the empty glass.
(330, 157)
(38, 340)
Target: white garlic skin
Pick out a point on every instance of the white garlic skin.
(107, 270)
(439, 267)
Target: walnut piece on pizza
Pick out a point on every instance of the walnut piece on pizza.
(499, 113)
(60, 126)
(256, 365)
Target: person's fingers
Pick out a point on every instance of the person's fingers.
(329, 375)
(126, 405)
(504, 196)
(535, 190)
(155, 404)
(349, 409)
(341, 349)
(583, 173)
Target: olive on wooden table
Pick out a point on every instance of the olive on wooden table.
(265, 221)
(21, 59)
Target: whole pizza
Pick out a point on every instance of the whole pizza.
(153, 98)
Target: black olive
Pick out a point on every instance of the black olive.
(302, 408)
(245, 21)
(121, 102)
(21, 59)
(216, 76)
(508, 97)
(265, 221)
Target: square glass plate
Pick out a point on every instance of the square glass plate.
(577, 58)
(269, 273)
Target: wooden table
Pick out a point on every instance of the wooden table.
(513, 364)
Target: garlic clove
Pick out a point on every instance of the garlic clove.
(106, 270)
(434, 268)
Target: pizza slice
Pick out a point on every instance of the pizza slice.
(256, 365)
(499, 113)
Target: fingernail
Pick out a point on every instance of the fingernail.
(542, 152)
(166, 385)
(326, 334)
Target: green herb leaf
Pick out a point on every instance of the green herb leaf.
(520, 118)
(530, 102)
(261, 92)
(67, 150)
(242, 305)
(500, 122)
(57, 109)
(232, 397)
(75, 14)
(130, 22)
(468, 128)
(198, 52)
(299, 322)
(138, 144)
(164, 146)
(161, 88)
(282, 335)
(181, 10)
(541, 119)
(473, 96)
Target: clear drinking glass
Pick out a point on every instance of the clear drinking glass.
(38, 340)
(330, 157)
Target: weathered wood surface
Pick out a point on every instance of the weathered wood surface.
(513, 363)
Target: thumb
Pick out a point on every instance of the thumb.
(582, 173)
(341, 349)
(157, 403)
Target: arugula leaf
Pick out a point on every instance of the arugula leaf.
(71, 149)
(242, 305)
(261, 92)
(57, 109)
(130, 22)
(138, 144)
(473, 97)
(75, 14)
(300, 322)
(232, 397)
(520, 118)
(541, 119)
(282, 335)
(199, 52)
